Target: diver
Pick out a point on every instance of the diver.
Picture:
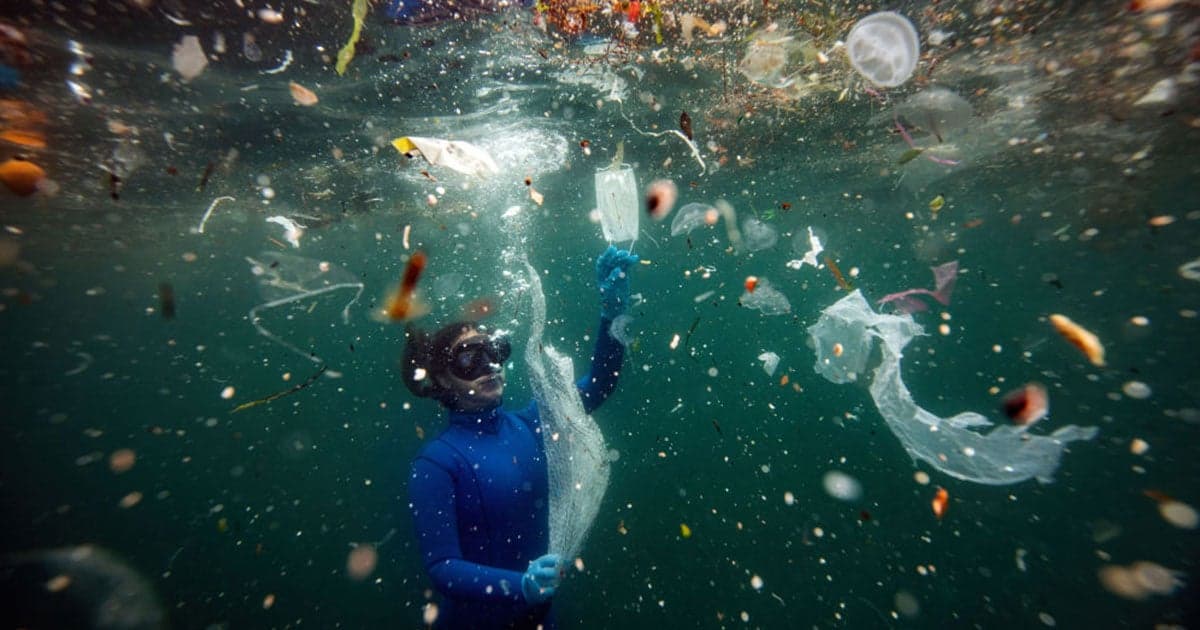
(479, 492)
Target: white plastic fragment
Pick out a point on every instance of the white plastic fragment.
(188, 57)
(810, 257)
(292, 230)
(1165, 92)
(770, 362)
(212, 206)
(460, 156)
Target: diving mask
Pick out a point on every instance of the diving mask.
(479, 356)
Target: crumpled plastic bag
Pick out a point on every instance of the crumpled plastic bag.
(1006, 454)
(463, 157)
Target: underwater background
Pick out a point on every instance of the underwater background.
(1069, 193)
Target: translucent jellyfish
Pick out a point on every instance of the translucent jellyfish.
(766, 298)
(884, 48)
(935, 111)
(956, 445)
(772, 55)
(691, 217)
(757, 235)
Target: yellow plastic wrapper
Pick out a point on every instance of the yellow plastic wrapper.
(346, 54)
(460, 156)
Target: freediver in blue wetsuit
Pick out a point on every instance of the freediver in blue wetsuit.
(479, 492)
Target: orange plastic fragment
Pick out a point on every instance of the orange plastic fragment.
(21, 176)
(28, 139)
(940, 503)
(1087, 342)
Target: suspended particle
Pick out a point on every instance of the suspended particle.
(841, 486)
(361, 561)
(940, 503)
(1136, 389)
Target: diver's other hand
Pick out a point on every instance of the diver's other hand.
(541, 579)
(612, 274)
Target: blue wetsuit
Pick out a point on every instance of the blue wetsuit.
(479, 496)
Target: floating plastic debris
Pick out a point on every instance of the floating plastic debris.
(770, 362)
(345, 55)
(460, 156)
(810, 257)
(292, 231)
(953, 445)
(617, 200)
(188, 57)
(944, 278)
(766, 298)
(1083, 339)
(302, 96)
(284, 279)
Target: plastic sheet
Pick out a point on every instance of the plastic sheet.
(945, 276)
(766, 298)
(463, 157)
(1004, 455)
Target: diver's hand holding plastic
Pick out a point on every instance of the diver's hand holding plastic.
(612, 274)
(541, 579)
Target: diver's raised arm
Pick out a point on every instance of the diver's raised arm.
(612, 274)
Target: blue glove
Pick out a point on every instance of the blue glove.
(612, 273)
(541, 579)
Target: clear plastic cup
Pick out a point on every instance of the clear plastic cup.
(884, 48)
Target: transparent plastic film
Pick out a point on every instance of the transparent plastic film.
(843, 339)
(577, 460)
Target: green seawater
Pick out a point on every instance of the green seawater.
(268, 502)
